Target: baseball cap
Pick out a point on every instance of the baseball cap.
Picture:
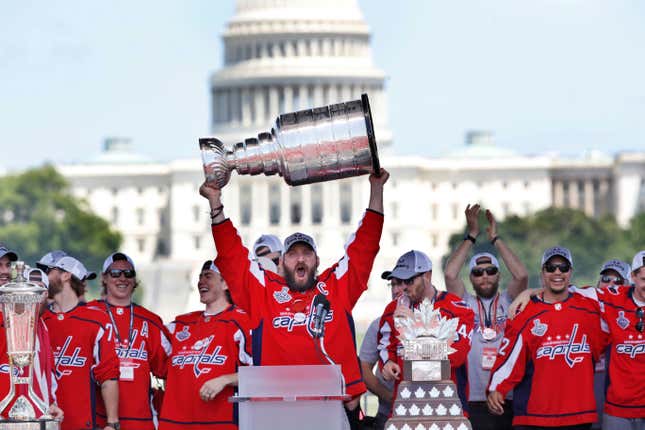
(619, 266)
(557, 250)
(73, 266)
(299, 238)
(270, 241)
(115, 256)
(209, 265)
(36, 274)
(638, 261)
(48, 260)
(4, 251)
(483, 256)
(408, 265)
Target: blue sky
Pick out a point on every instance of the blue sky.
(545, 75)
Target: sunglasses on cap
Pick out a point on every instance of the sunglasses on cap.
(616, 280)
(479, 271)
(563, 267)
(116, 273)
(275, 260)
(640, 324)
(395, 281)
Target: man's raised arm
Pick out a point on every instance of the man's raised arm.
(454, 284)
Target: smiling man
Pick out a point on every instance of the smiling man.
(142, 343)
(7, 256)
(281, 308)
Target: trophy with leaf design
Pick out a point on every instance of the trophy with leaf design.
(22, 408)
(426, 398)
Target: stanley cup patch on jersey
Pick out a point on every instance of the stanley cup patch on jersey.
(622, 321)
(538, 328)
(183, 335)
(282, 296)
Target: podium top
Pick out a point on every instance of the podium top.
(290, 382)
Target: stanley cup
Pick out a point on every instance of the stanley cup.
(313, 145)
(20, 301)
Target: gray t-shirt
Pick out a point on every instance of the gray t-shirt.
(477, 375)
(369, 354)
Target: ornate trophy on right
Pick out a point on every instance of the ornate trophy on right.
(426, 398)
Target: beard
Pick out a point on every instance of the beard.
(293, 285)
(55, 287)
(486, 293)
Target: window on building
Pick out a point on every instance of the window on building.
(140, 216)
(395, 239)
(455, 211)
(197, 241)
(274, 204)
(296, 205)
(296, 98)
(435, 240)
(434, 212)
(506, 209)
(196, 213)
(316, 204)
(395, 210)
(345, 203)
(162, 248)
(162, 218)
(281, 104)
(245, 203)
(115, 215)
(141, 245)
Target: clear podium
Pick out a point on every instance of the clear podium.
(291, 397)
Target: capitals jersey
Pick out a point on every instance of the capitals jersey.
(204, 347)
(547, 356)
(450, 306)
(141, 352)
(282, 319)
(44, 385)
(84, 355)
(625, 391)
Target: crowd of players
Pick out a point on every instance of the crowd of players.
(554, 357)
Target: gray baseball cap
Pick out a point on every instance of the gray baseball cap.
(408, 265)
(299, 238)
(49, 260)
(557, 250)
(11, 255)
(619, 266)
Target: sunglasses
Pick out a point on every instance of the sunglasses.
(563, 267)
(617, 280)
(394, 281)
(116, 273)
(640, 314)
(479, 271)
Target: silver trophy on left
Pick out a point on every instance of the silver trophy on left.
(20, 302)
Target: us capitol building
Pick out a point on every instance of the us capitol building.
(286, 55)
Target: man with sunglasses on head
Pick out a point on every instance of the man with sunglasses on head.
(142, 343)
(548, 352)
(413, 270)
(281, 305)
(268, 248)
(84, 350)
(491, 311)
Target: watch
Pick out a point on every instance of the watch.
(470, 238)
(116, 425)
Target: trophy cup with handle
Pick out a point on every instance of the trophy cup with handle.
(426, 398)
(313, 145)
(20, 302)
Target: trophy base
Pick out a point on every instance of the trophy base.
(49, 424)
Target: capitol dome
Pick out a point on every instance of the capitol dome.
(287, 55)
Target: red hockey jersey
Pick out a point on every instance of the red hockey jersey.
(625, 393)
(547, 356)
(282, 319)
(450, 306)
(84, 355)
(44, 385)
(204, 347)
(146, 353)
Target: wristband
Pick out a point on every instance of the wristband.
(215, 212)
(470, 238)
(493, 240)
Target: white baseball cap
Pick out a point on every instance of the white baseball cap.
(72, 265)
(270, 241)
(638, 261)
(48, 260)
(116, 256)
(483, 255)
(408, 265)
(209, 265)
(557, 250)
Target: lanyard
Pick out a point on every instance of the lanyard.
(490, 317)
(116, 328)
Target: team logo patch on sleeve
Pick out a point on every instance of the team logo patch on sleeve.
(183, 334)
(461, 304)
(538, 328)
(282, 296)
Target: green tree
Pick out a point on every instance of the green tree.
(591, 241)
(38, 214)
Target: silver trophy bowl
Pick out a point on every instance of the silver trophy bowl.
(313, 145)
